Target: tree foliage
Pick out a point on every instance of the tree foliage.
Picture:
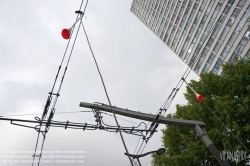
(228, 96)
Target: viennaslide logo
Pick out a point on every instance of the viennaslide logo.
(234, 155)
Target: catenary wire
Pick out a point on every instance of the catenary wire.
(122, 118)
(40, 114)
(55, 101)
(118, 126)
(71, 112)
(137, 144)
(168, 102)
(138, 151)
(227, 128)
(50, 96)
(193, 62)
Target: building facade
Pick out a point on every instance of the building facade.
(203, 33)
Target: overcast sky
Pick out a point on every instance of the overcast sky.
(139, 70)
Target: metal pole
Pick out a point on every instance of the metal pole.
(203, 135)
(138, 161)
(198, 125)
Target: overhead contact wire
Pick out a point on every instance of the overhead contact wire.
(226, 126)
(118, 126)
(168, 102)
(50, 96)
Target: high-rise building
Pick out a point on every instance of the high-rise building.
(203, 33)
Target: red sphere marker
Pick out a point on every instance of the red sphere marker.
(199, 97)
(66, 33)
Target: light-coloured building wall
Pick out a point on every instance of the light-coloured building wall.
(194, 45)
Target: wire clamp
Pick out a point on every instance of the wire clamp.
(66, 125)
(79, 12)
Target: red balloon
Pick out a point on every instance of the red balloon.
(66, 33)
(199, 97)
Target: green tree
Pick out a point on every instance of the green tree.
(228, 97)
